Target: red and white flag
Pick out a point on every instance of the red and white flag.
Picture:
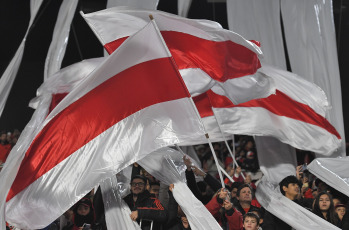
(293, 115)
(134, 103)
(206, 54)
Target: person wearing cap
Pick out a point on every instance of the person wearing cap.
(340, 210)
(83, 214)
(145, 207)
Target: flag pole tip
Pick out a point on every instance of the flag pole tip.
(151, 17)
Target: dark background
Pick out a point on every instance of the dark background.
(14, 19)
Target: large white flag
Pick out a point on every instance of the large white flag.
(294, 115)
(134, 103)
(205, 53)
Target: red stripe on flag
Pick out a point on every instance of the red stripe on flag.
(281, 105)
(132, 90)
(56, 98)
(202, 103)
(221, 60)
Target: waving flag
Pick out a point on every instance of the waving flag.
(206, 54)
(134, 103)
(292, 115)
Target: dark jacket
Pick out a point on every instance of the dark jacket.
(345, 221)
(209, 180)
(149, 209)
(174, 222)
(271, 222)
(240, 209)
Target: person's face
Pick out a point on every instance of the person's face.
(83, 210)
(250, 223)
(324, 202)
(233, 192)
(322, 187)
(336, 201)
(340, 211)
(184, 220)
(155, 189)
(217, 147)
(248, 179)
(3, 137)
(245, 195)
(292, 190)
(137, 186)
(249, 145)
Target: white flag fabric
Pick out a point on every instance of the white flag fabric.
(183, 7)
(315, 57)
(294, 115)
(333, 171)
(134, 103)
(259, 20)
(139, 4)
(64, 81)
(60, 37)
(205, 53)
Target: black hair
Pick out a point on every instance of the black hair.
(235, 185)
(241, 187)
(90, 218)
(140, 177)
(154, 183)
(288, 180)
(202, 186)
(252, 215)
(331, 214)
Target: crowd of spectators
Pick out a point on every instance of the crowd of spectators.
(7, 141)
(235, 207)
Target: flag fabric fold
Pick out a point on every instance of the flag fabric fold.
(294, 115)
(134, 103)
(205, 53)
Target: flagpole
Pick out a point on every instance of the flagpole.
(186, 155)
(227, 175)
(225, 141)
(234, 151)
(191, 100)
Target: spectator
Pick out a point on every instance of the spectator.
(251, 221)
(234, 190)
(336, 201)
(340, 210)
(212, 182)
(143, 206)
(289, 187)
(155, 189)
(244, 197)
(5, 147)
(83, 213)
(229, 217)
(323, 207)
